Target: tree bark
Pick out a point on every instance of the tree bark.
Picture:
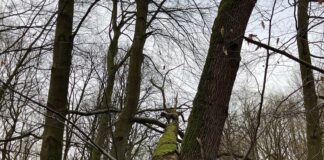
(210, 106)
(313, 130)
(57, 97)
(124, 123)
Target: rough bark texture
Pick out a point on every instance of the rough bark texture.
(103, 129)
(313, 130)
(57, 97)
(124, 124)
(210, 106)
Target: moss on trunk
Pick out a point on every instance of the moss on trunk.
(167, 145)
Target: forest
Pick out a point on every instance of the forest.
(162, 79)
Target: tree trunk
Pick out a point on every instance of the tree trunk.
(57, 97)
(313, 131)
(103, 129)
(210, 106)
(167, 147)
(124, 124)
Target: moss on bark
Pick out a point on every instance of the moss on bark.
(168, 142)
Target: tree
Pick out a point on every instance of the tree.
(167, 146)
(57, 95)
(210, 106)
(106, 87)
(112, 68)
(124, 122)
(313, 128)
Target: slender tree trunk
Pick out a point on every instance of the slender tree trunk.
(57, 97)
(124, 124)
(210, 106)
(313, 131)
(103, 129)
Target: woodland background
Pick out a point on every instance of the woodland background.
(94, 79)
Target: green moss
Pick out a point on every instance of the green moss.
(168, 142)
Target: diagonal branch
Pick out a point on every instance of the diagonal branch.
(265, 46)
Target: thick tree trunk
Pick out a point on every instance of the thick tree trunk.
(124, 124)
(57, 97)
(313, 130)
(210, 106)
